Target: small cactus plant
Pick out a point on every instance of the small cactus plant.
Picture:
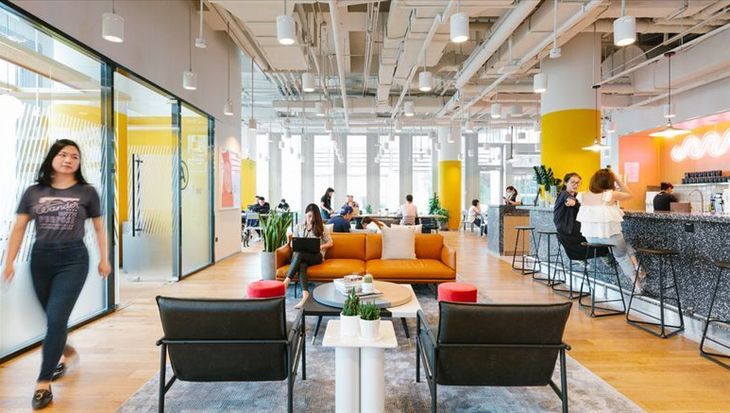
(369, 311)
(367, 279)
(352, 304)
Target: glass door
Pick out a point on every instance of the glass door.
(147, 155)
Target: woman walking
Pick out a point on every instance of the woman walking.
(59, 203)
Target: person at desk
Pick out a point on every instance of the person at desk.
(325, 204)
(352, 204)
(665, 197)
(371, 224)
(408, 212)
(260, 207)
(283, 206)
(512, 197)
(341, 221)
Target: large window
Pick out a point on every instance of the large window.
(262, 168)
(324, 165)
(389, 173)
(291, 172)
(423, 185)
(357, 168)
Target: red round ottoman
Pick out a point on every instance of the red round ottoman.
(266, 289)
(459, 292)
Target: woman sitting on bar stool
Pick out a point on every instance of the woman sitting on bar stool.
(564, 217)
(600, 218)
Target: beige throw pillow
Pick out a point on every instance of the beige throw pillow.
(399, 243)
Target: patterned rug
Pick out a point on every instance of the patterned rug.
(587, 392)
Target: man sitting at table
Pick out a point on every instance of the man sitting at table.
(341, 221)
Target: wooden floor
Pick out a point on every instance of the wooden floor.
(118, 354)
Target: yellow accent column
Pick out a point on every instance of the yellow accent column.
(449, 190)
(248, 181)
(564, 134)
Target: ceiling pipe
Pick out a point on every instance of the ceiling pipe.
(437, 20)
(340, 56)
(675, 91)
(529, 56)
(504, 28)
(373, 14)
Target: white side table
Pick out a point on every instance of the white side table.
(359, 368)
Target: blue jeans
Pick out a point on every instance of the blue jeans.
(59, 271)
(622, 251)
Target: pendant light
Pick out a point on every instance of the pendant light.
(307, 82)
(252, 120)
(425, 80)
(190, 78)
(398, 126)
(228, 107)
(408, 109)
(285, 29)
(200, 42)
(669, 131)
(597, 145)
(459, 26)
(555, 51)
(319, 109)
(539, 83)
(512, 157)
(624, 28)
(496, 110)
(112, 26)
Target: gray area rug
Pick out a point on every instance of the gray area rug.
(587, 392)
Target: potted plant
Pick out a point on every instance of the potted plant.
(369, 322)
(367, 284)
(435, 208)
(349, 317)
(547, 183)
(273, 229)
(368, 209)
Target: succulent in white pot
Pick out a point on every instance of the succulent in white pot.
(349, 317)
(369, 322)
(367, 284)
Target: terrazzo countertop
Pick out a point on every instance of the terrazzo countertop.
(678, 216)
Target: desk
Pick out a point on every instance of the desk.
(359, 368)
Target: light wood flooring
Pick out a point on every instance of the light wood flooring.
(118, 354)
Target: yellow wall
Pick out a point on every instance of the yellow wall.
(564, 134)
(248, 181)
(450, 190)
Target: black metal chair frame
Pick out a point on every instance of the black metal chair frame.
(592, 288)
(295, 344)
(431, 372)
(569, 292)
(550, 280)
(644, 325)
(715, 357)
(536, 264)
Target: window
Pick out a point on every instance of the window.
(526, 187)
(262, 168)
(422, 180)
(324, 165)
(389, 173)
(291, 172)
(357, 168)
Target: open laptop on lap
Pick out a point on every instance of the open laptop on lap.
(302, 244)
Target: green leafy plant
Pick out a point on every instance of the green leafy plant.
(370, 312)
(368, 209)
(273, 229)
(352, 304)
(367, 279)
(545, 178)
(435, 208)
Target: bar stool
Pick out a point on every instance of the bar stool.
(722, 267)
(549, 280)
(567, 280)
(661, 255)
(523, 270)
(592, 254)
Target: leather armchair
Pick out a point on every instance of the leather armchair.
(211, 340)
(514, 345)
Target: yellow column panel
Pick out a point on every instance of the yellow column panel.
(248, 181)
(450, 190)
(564, 134)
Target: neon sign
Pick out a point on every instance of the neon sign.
(711, 144)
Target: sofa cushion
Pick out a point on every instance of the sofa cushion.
(374, 246)
(348, 246)
(429, 246)
(398, 244)
(422, 268)
(329, 269)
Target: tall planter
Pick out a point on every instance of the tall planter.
(268, 270)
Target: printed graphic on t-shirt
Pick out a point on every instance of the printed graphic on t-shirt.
(56, 213)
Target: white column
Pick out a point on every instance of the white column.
(372, 380)
(274, 194)
(373, 172)
(471, 168)
(450, 142)
(340, 180)
(308, 193)
(347, 379)
(405, 154)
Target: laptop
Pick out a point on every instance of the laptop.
(302, 244)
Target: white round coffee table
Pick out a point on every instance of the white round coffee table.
(393, 295)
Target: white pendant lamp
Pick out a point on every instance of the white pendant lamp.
(398, 126)
(669, 130)
(228, 107)
(190, 78)
(112, 26)
(539, 83)
(252, 124)
(425, 81)
(496, 110)
(319, 109)
(307, 82)
(459, 28)
(624, 28)
(515, 111)
(408, 109)
(200, 42)
(285, 29)
(469, 126)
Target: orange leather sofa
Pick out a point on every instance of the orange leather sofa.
(359, 253)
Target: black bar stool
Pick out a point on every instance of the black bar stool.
(661, 255)
(523, 270)
(550, 279)
(722, 269)
(592, 254)
(559, 285)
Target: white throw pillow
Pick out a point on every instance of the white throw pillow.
(415, 228)
(328, 228)
(398, 244)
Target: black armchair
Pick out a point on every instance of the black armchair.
(228, 340)
(493, 345)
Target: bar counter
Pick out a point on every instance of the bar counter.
(501, 221)
(700, 239)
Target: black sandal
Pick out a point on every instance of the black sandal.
(59, 372)
(42, 398)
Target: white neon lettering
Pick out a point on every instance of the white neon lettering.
(711, 144)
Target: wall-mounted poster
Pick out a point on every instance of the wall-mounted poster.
(631, 170)
(230, 169)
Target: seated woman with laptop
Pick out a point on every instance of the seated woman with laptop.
(310, 242)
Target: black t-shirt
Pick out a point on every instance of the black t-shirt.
(60, 214)
(327, 201)
(662, 201)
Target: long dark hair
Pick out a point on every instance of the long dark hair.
(45, 173)
(318, 227)
(327, 192)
